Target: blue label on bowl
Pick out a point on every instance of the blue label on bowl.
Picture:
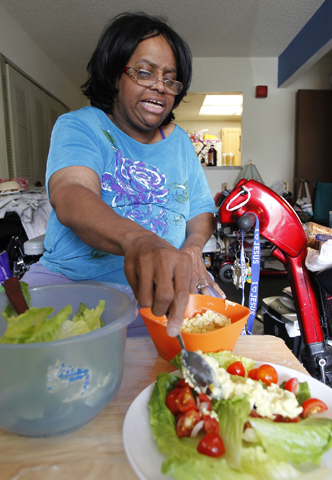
(61, 376)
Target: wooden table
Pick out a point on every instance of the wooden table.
(96, 451)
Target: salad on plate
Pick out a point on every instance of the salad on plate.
(252, 428)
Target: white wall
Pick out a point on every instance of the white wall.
(268, 124)
(25, 54)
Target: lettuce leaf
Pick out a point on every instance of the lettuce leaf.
(50, 329)
(202, 468)
(303, 393)
(21, 327)
(305, 441)
(233, 414)
(255, 465)
(163, 421)
(183, 462)
(90, 316)
(70, 329)
(34, 325)
(226, 358)
(262, 467)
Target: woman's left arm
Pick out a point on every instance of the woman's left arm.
(199, 230)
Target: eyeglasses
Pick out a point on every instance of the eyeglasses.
(149, 79)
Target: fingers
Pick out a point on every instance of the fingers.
(218, 290)
(201, 279)
(172, 291)
(213, 291)
(181, 298)
(159, 275)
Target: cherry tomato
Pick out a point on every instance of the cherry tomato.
(211, 425)
(253, 373)
(185, 400)
(281, 419)
(211, 445)
(181, 383)
(186, 423)
(254, 414)
(267, 374)
(312, 406)
(171, 401)
(205, 399)
(236, 368)
(292, 385)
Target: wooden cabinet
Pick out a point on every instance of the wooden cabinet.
(231, 143)
(313, 142)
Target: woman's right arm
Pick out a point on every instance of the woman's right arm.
(158, 273)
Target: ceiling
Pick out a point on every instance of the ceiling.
(68, 30)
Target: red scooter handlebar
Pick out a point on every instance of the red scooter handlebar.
(281, 226)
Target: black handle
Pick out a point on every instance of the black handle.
(246, 222)
(15, 295)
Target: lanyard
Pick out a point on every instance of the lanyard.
(255, 270)
(243, 274)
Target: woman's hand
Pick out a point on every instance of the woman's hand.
(200, 277)
(159, 275)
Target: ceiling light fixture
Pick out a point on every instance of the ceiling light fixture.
(220, 110)
(222, 105)
(223, 100)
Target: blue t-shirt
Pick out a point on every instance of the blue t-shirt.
(160, 186)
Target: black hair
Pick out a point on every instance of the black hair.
(116, 45)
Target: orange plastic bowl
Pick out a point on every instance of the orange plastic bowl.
(224, 338)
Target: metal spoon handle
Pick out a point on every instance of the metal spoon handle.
(179, 337)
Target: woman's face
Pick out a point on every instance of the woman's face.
(137, 108)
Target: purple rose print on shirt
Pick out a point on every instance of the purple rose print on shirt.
(135, 183)
(138, 189)
(143, 215)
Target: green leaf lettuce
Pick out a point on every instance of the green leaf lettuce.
(34, 326)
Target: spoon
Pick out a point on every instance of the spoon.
(200, 372)
(15, 295)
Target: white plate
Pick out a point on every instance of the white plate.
(141, 449)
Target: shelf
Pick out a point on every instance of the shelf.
(221, 168)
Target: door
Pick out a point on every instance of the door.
(44, 112)
(31, 117)
(21, 161)
(313, 142)
(231, 143)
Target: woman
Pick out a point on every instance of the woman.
(130, 200)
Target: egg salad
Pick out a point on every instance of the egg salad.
(207, 321)
(268, 402)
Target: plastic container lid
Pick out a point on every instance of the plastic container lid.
(34, 246)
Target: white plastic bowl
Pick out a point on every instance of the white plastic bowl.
(53, 387)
